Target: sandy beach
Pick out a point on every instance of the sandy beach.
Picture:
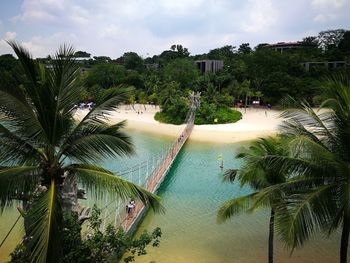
(254, 123)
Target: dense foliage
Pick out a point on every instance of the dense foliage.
(214, 114)
(106, 246)
(305, 176)
(260, 74)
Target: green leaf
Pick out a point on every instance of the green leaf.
(44, 227)
(17, 182)
(100, 180)
(235, 206)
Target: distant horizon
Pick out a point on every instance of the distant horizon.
(113, 27)
(150, 56)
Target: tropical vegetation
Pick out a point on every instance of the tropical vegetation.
(316, 196)
(249, 74)
(258, 175)
(45, 151)
(100, 246)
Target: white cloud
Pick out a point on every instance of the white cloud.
(323, 18)
(328, 3)
(4, 47)
(261, 16)
(40, 46)
(112, 27)
(40, 10)
(328, 11)
(10, 36)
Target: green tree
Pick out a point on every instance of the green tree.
(225, 53)
(44, 149)
(182, 51)
(174, 104)
(133, 61)
(344, 44)
(10, 71)
(258, 175)
(310, 41)
(245, 88)
(244, 48)
(102, 59)
(330, 38)
(320, 162)
(106, 75)
(182, 71)
(82, 54)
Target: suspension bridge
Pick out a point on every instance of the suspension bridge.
(148, 174)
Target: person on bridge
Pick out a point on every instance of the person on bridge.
(130, 207)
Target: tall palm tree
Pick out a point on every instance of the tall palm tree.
(319, 160)
(42, 146)
(258, 175)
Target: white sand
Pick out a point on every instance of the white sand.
(254, 123)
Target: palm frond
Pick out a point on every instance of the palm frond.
(230, 175)
(309, 212)
(63, 92)
(305, 121)
(16, 149)
(45, 226)
(17, 182)
(96, 142)
(100, 181)
(23, 106)
(101, 112)
(235, 206)
(18, 115)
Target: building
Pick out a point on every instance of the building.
(325, 64)
(82, 59)
(284, 46)
(152, 65)
(209, 65)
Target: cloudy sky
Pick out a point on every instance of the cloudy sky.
(112, 27)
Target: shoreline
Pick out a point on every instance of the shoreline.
(255, 123)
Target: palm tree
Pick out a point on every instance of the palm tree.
(42, 146)
(258, 175)
(319, 160)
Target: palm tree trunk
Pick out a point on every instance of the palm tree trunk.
(271, 231)
(345, 240)
(69, 193)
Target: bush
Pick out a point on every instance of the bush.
(108, 246)
(207, 114)
(212, 115)
(167, 118)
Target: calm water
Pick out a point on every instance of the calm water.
(191, 194)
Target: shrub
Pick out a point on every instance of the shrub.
(212, 115)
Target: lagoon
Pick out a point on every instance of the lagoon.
(192, 193)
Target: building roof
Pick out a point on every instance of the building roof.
(290, 44)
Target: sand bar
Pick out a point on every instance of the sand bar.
(254, 123)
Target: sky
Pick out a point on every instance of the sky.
(148, 27)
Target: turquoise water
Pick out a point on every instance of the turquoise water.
(191, 194)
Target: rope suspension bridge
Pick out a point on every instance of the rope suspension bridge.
(148, 174)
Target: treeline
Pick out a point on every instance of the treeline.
(248, 74)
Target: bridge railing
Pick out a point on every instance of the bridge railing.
(151, 181)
